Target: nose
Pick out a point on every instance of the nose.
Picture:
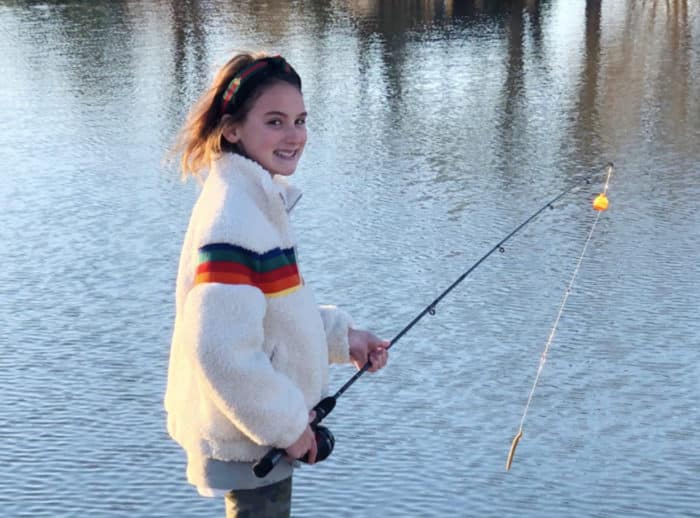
(296, 135)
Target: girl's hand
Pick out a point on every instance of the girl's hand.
(366, 346)
(305, 443)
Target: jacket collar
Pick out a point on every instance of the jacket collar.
(274, 187)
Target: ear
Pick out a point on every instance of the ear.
(231, 131)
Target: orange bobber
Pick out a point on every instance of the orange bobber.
(600, 202)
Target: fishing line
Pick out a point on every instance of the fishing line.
(600, 203)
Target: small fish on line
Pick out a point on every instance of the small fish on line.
(513, 445)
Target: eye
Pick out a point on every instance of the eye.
(300, 122)
(274, 122)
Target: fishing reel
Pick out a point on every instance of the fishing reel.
(324, 444)
(324, 447)
(324, 440)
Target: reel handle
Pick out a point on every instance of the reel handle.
(324, 440)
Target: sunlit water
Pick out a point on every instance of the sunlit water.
(435, 129)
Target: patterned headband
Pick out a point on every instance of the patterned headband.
(245, 81)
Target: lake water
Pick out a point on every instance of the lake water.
(435, 128)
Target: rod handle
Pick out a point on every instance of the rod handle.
(265, 465)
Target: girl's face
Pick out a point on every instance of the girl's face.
(274, 131)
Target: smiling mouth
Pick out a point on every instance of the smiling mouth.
(286, 155)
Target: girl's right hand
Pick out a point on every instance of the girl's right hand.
(305, 443)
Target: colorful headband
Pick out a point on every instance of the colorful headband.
(245, 81)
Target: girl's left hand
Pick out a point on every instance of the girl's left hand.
(366, 346)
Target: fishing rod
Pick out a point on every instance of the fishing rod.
(324, 438)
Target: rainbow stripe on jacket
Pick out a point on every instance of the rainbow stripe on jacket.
(275, 272)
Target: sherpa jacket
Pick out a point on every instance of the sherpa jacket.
(250, 347)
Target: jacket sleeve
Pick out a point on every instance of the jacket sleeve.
(224, 329)
(336, 323)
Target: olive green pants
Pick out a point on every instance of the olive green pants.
(273, 501)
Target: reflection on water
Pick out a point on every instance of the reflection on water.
(435, 128)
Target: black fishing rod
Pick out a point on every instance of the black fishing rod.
(324, 438)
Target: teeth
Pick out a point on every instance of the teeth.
(286, 154)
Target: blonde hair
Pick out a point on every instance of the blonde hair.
(200, 140)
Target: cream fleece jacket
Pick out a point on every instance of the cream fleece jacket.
(248, 360)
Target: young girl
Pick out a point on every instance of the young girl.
(251, 347)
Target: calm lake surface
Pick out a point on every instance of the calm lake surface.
(435, 128)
